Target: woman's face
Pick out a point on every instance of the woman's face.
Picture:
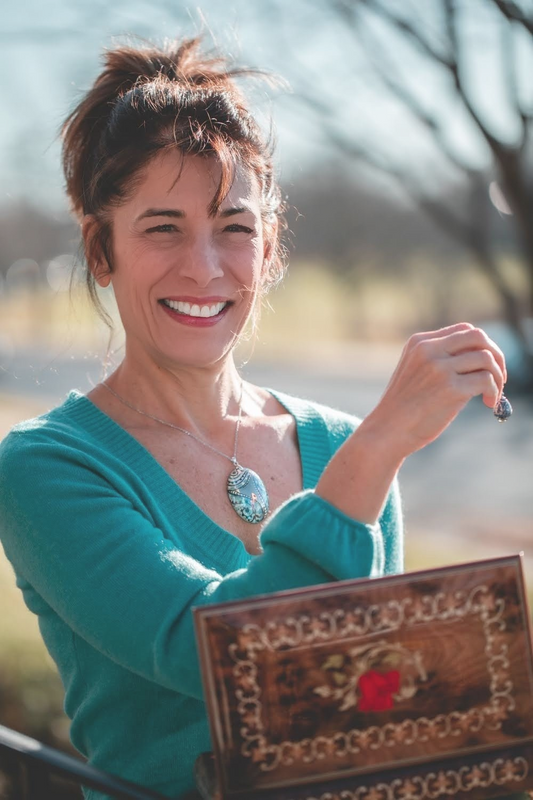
(185, 282)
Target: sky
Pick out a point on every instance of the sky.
(50, 53)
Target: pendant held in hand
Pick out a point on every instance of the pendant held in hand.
(503, 409)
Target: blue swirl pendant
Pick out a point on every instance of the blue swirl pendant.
(247, 494)
(503, 409)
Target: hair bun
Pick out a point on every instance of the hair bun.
(124, 69)
(127, 66)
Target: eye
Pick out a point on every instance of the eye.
(167, 227)
(235, 228)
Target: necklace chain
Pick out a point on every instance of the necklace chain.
(232, 458)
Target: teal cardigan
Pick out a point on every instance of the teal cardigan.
(111, 555)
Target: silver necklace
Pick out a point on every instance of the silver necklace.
(246, 491)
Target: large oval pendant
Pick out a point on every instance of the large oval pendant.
(247, 494)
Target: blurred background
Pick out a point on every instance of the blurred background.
(405, 149)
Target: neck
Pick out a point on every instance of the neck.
(203, 400)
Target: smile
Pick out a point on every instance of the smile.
(193, 310)
(196, 315)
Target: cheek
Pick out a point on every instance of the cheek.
(247, 262)
(139, 268)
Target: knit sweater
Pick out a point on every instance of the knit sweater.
(111, 555)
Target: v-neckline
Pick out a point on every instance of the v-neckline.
(177, 500)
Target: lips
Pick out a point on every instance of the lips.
(195, 309)
(201, 313)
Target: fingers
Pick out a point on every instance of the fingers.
(437, 374)
(441, 332)
(475, 339)
(482, 361)
(416, 338)
(480, 383)
(457, 339)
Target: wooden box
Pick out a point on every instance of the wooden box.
(398, 688)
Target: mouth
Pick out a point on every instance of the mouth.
(195, 310)
(195, 313)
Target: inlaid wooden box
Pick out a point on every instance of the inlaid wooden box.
(399, 688)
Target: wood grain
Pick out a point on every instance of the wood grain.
(357, 677)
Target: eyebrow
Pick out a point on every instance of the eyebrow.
(177, 214)
(230, 212)
(161, 212)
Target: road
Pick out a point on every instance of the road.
(467, 495)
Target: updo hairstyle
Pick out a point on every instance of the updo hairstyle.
(148, 100)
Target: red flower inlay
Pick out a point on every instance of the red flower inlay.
(377, 688)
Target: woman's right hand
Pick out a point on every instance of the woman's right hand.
(438, 373)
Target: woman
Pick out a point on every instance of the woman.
(117, 512)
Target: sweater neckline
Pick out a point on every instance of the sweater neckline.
(211, 538)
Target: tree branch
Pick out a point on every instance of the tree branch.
(455, 227)
(405, 28)
(498, 148)
(473, 237)
(451, 30)
(509, 63)
(398, 90)
(514, 13)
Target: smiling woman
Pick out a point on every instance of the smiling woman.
(119, 511)
(169, 220)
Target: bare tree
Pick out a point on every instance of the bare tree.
(397, 43)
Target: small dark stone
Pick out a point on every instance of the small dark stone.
(503, 409)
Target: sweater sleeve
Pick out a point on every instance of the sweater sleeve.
(339, 426)
(118, 582)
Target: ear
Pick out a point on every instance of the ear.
(96, 261)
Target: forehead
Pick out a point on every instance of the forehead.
(189, 183)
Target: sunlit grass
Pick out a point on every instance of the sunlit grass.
(316, 303)
(41, 317)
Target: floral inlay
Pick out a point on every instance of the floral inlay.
(343, 675)
(368, 678)
(377, 689)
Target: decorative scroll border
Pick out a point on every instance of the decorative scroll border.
(434, 785)
(359, 621)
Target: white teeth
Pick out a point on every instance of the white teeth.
(195, 310)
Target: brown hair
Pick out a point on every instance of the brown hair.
(150, 99)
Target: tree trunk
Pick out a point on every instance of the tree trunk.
(520, 198)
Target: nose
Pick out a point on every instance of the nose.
(200, 262)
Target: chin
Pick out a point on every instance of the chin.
(199, 357)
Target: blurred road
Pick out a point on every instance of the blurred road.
(42, 375)
(467, 495)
